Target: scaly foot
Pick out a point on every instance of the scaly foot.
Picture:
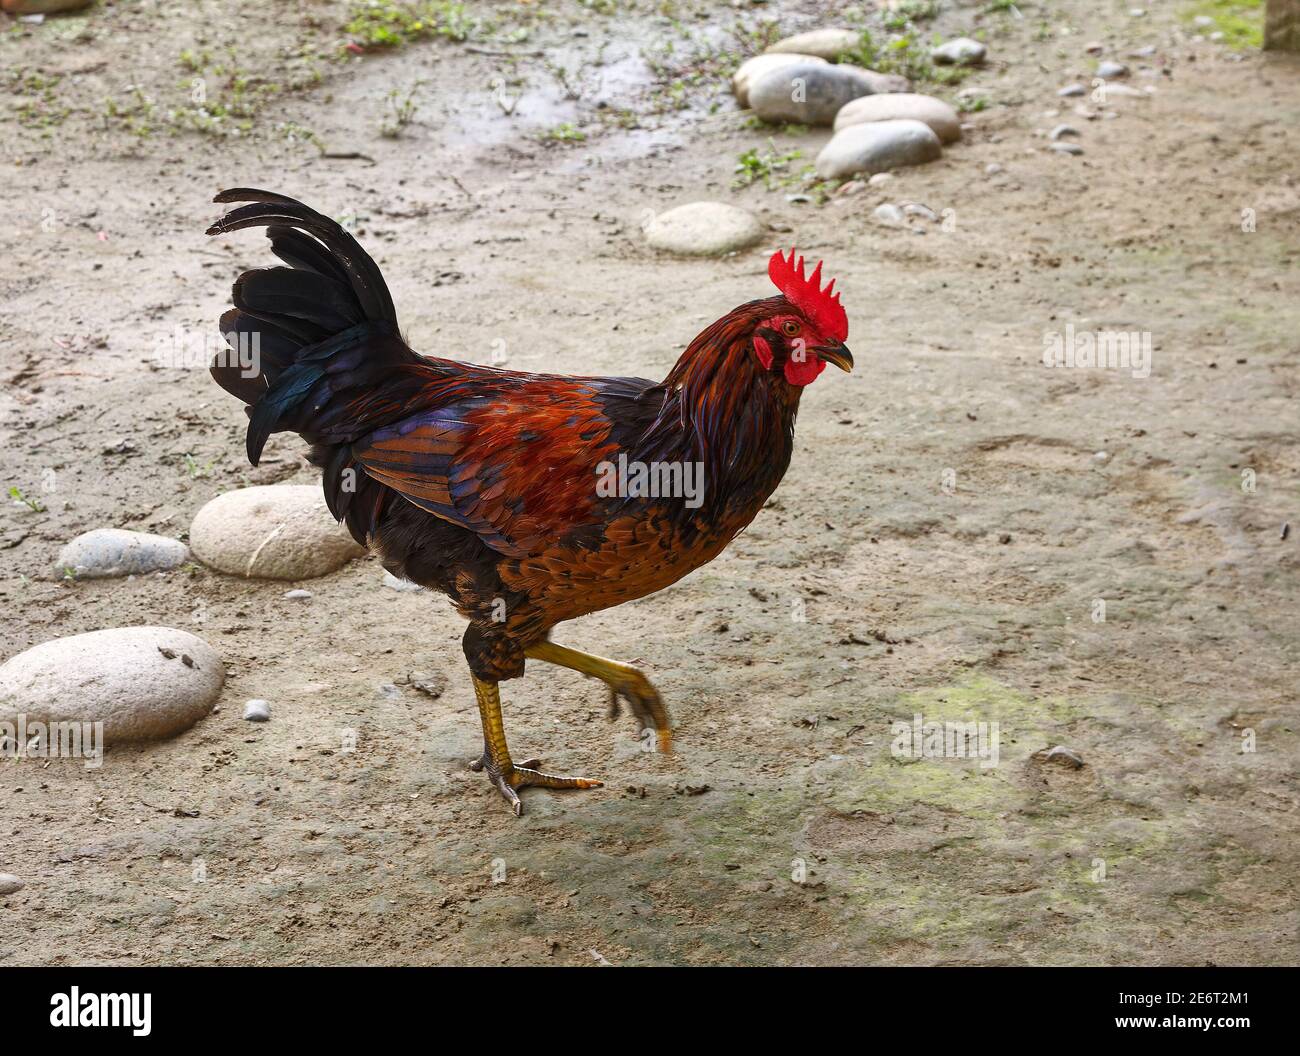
(495, 759)
(509, 780)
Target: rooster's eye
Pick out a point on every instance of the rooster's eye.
(790, 327)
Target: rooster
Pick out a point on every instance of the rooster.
(508, 491)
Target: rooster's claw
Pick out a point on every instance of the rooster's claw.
(647, 708)
(510, 780)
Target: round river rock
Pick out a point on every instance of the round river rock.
(142, 683)
(274, 531)
(827, 44)
(760, 64)
(941, 117)
(704, 229)
(107, 552)
(811, 93)
(877, 147)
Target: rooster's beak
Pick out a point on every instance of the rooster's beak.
(836, 354)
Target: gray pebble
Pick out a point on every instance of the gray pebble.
(1071, 90)
(890, 106)
(888, 213)
(1062, 130)
(10, 884)
(828, 44)
(393, 583)
(704, 229)
(1062, 756)
(959, 52)
(1066, 148)
(877, 146)
(1126, 91)
(431, 684)
(923, 211)
(1112, 69)
(297, 595)
(811, 93)
(107, 552)
(257, 711)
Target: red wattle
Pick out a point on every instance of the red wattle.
(806, 372)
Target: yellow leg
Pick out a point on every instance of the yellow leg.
(624, 682)
(505, 775)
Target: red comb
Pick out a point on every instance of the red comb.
(821, 307)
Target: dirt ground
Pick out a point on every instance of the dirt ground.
(946, 527)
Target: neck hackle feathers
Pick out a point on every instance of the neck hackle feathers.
(820, 306)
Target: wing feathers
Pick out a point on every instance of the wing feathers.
(465, 462)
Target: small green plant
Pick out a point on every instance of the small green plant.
(818, 190)
(669, 96)
(972, 104)
(194, 61)
(136, 113)
(563, 133)
(904, 55)
(224, 101)
(696, 61)
(620, 117)
(296, 133)
(39, 107)
(33, 504)
(400, 110)
(754, 40)
(765, 165)
(910, 11)
(193, 468)
(865, 52)
(1240, 21)
(388, 24)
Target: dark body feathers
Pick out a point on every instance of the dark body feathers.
(481, 483)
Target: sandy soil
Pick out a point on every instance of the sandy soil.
(962, 595)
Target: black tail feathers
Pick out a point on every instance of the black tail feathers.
(309, 342)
